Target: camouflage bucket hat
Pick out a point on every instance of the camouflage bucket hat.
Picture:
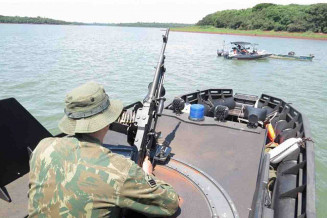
(88, 109)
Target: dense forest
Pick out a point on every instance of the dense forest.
(267, 16)
(33, 20)
(154, 24)
(41, 20)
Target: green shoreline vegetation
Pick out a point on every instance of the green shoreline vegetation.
(272, 33)
(154, 24)
(34, 20)
(266, 19)
(42, 20)
(267, 16)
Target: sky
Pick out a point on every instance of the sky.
(124, 11)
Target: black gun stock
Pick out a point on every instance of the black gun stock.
(147, 116)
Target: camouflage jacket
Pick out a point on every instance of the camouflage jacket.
(77, 177)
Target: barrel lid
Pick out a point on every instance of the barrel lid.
(197, 106)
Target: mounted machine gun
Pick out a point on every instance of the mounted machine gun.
(142, 121)
(147, 116)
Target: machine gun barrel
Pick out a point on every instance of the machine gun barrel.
(159, 70)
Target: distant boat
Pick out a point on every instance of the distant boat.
(245, 51)
(291, 56)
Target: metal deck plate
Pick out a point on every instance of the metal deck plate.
(18, 193)
(229, 152)
(202, 195)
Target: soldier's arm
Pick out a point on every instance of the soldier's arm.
(146, 194)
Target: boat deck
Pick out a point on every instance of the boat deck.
(229, 152)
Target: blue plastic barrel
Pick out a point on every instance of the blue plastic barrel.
(197, 112)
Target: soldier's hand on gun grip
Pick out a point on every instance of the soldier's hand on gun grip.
(147, 166)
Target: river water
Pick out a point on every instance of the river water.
(40, 63)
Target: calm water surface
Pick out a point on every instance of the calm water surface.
(40, 63)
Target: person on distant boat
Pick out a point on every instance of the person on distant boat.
(75, 176)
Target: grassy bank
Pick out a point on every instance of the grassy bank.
(214, 30)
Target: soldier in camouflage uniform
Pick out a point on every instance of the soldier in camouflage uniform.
(75, 176)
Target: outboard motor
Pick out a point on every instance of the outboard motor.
(178, 105)
(221, 113)
(291, 53)
(220, 52)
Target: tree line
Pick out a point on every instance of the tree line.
(153, 24)
(42, 20)
(267, 16)
(33, 20)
